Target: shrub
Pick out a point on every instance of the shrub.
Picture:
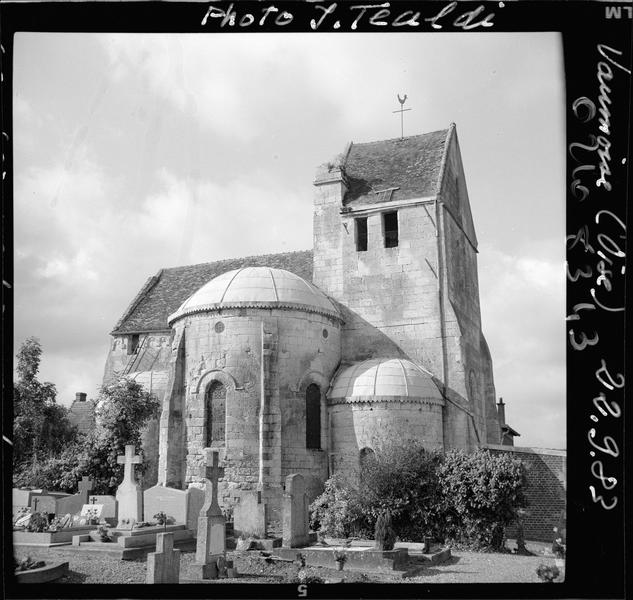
(467, 499)
(481, 494)
(547, 573)
(338, 511)
(27, 563)
(308, 576)
(38, 523)
(385, 536)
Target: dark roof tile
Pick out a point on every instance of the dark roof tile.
(411, 164)
(163, 293)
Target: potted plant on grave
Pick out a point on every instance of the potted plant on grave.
(54, 525)
(103, 533)
(27, 564)
(38, 523)
(340, 556)
(547, 573)
(161, 519)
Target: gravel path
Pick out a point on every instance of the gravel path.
(463, 567)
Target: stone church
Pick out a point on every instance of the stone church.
(306, 362)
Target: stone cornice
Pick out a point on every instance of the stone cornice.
(385, 399)
(219, 307)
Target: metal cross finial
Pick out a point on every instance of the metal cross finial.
(402, 110)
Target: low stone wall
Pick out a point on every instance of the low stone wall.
(546, 472)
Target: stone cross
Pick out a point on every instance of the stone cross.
(85, 487)
(93, 500)
(163, 566)
(34, 503)
(129, 459)
(212, 472)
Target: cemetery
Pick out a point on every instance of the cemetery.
(88, 515)
(207, 550)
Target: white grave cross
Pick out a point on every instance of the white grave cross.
(129, 459)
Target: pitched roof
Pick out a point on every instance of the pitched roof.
(164, 292)
(411, 164)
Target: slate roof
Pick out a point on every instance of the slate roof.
(411, 164)
(164, 292)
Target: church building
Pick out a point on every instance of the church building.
(306, 362)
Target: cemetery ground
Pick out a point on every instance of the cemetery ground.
(255, 567)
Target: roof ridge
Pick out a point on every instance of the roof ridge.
(240, 258)
(406, 137)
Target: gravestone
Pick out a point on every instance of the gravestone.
(163, 566)
(295, 512)
(195, 502)
(129, 495)
(174, 503)
(73, 504)
(44, 504)
(211, 544)
(250, 516)
(109, 505)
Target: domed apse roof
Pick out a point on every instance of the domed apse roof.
(257, 287)
(384, 377)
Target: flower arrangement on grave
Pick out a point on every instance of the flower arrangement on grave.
(92, 514)
(547, 573)
(340, 556)
(55, 524)
(161, 519)
(103, 533)
(38, 523)
(142, 524)
(384, 534)
(27, 564)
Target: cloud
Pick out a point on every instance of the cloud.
(523, 318)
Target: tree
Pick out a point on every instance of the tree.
(124, 408)
(41, 427)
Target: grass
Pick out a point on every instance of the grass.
(253, 567)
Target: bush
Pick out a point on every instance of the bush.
(481, 494)
(337, 512)
(467, 499)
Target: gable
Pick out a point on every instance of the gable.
(163, 293)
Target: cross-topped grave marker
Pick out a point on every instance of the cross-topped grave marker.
(129, 459)
(85, 487)
(163, 566)
(212, 472)
(93, 500)
(129, 494)
(211, 544)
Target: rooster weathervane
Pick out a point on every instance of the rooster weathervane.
(401, 111)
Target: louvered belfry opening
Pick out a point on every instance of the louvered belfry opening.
(216, 413)
(313, 417)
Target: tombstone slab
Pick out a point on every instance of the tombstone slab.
(295, 512)
(163, 566)
(129, 495)
(174, 503)
(44, 504)
(250, 516)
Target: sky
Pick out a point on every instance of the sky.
(138, 152)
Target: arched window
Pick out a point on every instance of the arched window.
(216, 413)
(313, 417)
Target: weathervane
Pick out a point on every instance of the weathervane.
(402, 110)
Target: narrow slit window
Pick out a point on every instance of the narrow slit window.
(390, 225)
(313, 417)
(361, 234)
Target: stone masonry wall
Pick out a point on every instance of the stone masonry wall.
(297, 353)
(546, 491)
(358, 425)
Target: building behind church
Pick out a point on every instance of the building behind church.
(306, 362)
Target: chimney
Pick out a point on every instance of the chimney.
(80, 397)
(501, 412)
